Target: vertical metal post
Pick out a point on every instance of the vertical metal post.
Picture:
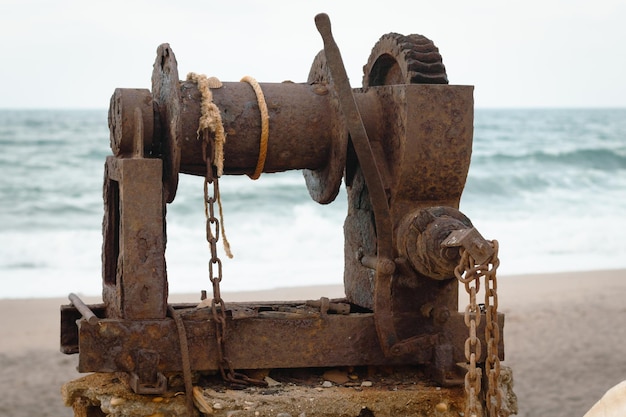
(134, 275)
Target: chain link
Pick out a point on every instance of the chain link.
(218, 307)
(212, 236)
(492, 336)
(469, 274)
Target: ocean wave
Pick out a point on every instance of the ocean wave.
(600, 159)
(549, 185)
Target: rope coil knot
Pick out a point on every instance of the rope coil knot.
(210, 118)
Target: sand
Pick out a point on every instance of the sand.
(565, 337)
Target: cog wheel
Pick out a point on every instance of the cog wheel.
(399, 59)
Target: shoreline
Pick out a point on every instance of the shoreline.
(334, 289)
(563, 338)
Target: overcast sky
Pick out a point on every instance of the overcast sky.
(530, 53)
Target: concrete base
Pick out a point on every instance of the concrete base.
(300, 393)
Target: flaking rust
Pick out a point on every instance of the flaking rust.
(402, 145)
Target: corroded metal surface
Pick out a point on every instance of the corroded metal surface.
(282, 335)
(133, 256)
(323, 184)
(123, 123)
(168, 134)
(299, 133)
(402, 144)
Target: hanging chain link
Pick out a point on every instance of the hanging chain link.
(492, 336)
(469, 274)
(218, 308)
(212, 235)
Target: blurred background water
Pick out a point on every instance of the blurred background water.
(549, 184)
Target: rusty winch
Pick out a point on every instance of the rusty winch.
(402, 144)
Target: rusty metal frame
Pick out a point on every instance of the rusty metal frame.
(408, 155)
(260, 336)
(133, 256)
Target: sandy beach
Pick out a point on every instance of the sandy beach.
(564, 337)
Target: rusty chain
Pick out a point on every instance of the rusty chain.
(469, 273)
(212, 235)
(492, 336)
(218, 308)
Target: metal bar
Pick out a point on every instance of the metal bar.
(387, 334)
(83, 309)
(261, 341)
(134, 273)
(300, 130)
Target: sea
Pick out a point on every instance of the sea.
(548, 184)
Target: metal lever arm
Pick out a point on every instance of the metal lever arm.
(382, 291)
(354, 123)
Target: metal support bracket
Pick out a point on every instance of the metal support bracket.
(321, 340)
(146, 379)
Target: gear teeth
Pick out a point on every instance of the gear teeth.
(417, 59)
